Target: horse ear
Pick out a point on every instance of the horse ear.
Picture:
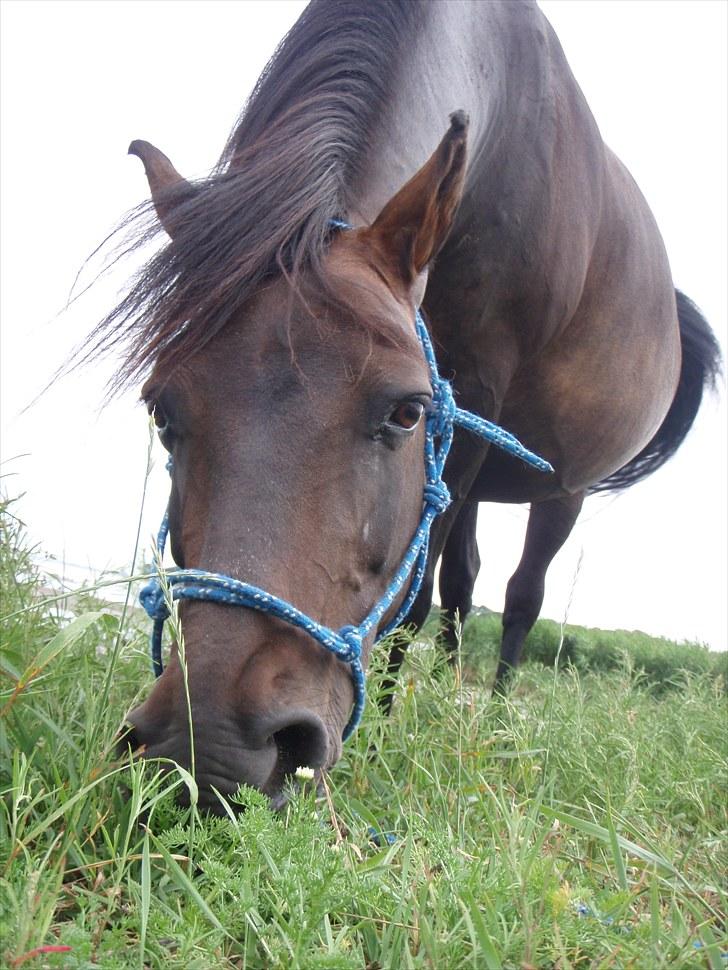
(168, 187)
(414, 224)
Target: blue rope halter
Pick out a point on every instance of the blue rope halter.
(346, 643)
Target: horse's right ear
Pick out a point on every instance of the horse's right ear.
(167, 186)
(409, 231)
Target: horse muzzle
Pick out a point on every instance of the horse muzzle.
(222, 754)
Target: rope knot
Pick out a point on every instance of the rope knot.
(352, 638)
(444, 406)
(437, 495)
(152, 599)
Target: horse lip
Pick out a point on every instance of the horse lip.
(264, 754)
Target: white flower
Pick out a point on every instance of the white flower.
(305, 774)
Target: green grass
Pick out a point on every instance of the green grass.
(579, 823)
(656, 662)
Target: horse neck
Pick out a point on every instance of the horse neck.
(480, 57)
(503, 64)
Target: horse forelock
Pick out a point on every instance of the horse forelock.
(266, 208)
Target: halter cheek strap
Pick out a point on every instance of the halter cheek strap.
(346, 643)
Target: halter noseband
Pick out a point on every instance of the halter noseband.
(346, 643)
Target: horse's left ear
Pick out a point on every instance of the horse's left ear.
(414, 224)
(169, 190)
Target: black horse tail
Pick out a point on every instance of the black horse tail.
(701, 365)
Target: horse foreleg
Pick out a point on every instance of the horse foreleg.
(549, 526)
(459, 569)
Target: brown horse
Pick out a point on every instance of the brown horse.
(287, 382)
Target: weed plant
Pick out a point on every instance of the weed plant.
(580, 822)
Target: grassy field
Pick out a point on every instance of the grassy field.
(580, 823)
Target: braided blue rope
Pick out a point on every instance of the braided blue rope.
(346, 643)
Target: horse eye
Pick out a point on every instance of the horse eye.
(160, 418)
(406, 416)
(163, 425)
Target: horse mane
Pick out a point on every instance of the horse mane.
(265, 209)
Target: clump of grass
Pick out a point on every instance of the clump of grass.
(581, 823)
(656, 662)
(19, 588)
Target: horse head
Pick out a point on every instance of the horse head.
(297, 439)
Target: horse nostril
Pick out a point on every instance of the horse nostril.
(301, 743)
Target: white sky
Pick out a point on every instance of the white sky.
(81, 79)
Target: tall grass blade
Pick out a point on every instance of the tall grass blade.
(64, 639)
(602, 834)
(146, 900)
(478, 931)
(616, 850)
(184, 882)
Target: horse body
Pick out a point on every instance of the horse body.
(554, 258)
(553, 261)
(287, 381)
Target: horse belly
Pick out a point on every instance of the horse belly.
(594, 406)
